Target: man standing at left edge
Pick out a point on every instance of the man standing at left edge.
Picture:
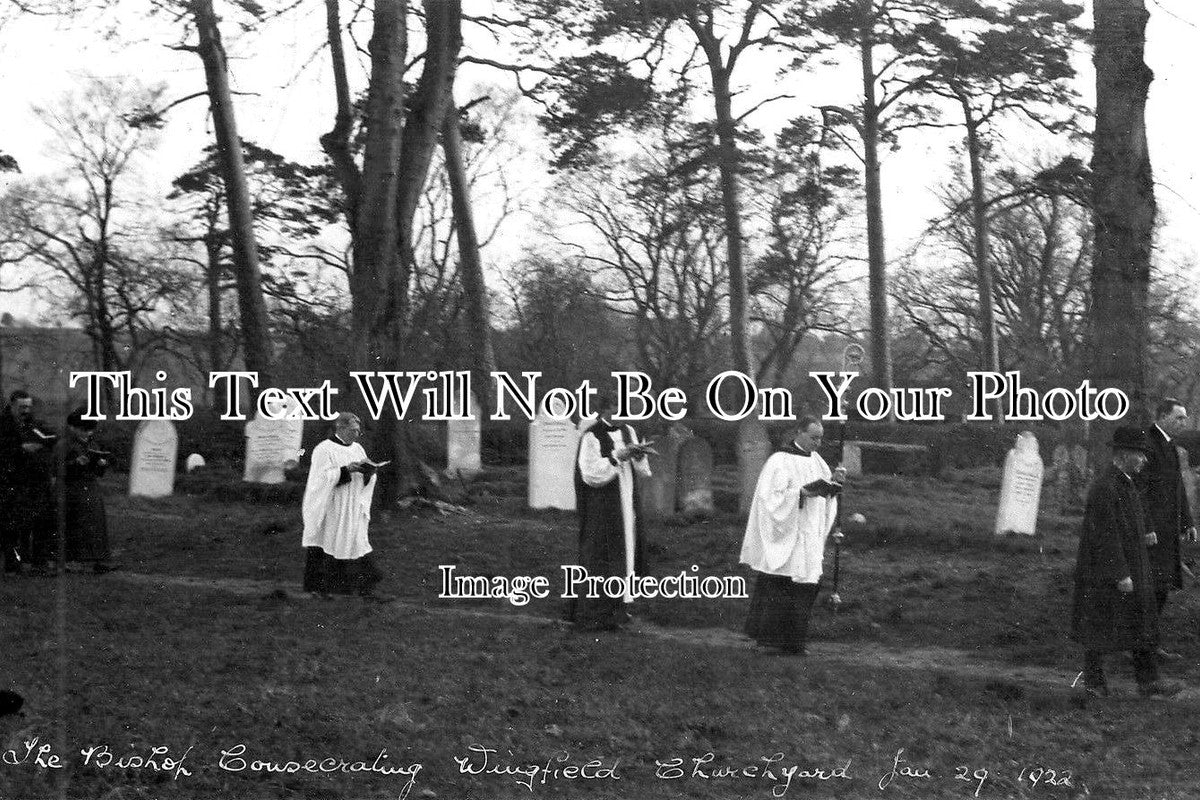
(337, 511)
(28, 529)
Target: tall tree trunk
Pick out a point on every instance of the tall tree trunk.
(471, 265)
(212, 279)
(983, 265)
(1123, 196)
(430, 101)
(1123, 200)
(877, 299)
(256, 345)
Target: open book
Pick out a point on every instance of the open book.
(642, 448)
(376, 464)
(823, 488)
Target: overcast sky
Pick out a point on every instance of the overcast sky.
(283, 66)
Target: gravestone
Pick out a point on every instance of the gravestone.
(194, 461)
(754, 448)
(695, 477)
(1082, 472)
(553, 446)
(852, 459)
(464, 438)
(657, 493)
(273, 445)
(152, 465)
(1020, 488)
(1189, 479)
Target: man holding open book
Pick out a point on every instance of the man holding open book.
(337, 511)
(26, 503)
(794, 506)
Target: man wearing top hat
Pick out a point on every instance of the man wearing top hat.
(1114, 606)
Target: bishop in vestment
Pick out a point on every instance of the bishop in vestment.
(785, 540)
(337, 511)
(610, 540)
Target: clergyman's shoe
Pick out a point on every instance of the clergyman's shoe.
(1159, 688)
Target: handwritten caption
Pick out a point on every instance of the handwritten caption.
(775, 774)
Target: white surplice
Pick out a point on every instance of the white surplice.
(783, 537)
(336, 517)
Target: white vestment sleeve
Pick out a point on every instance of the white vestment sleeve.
(597, 470)
(323, 476)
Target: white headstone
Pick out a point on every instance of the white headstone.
(553, 445)
(152, 465)
(194, 461)
(272, 445)
(1020, 488)
(852, 459)
(463, 442)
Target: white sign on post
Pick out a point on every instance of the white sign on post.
(272, 445)
(553, 447)
(1020, 488)
(152, 465)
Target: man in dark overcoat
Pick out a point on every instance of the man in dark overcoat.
(1114, 606)
(27, 524)
(1168, 515)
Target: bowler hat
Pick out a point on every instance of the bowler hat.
(1128, 438)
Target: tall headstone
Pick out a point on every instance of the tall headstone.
(852, 459)
(553, 444)
(1020, 488)
(657, 493)
(754, 448)
(152, 464)
(464, 440)
(695, 477)
(273, 445)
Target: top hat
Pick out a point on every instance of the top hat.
(1128, 438)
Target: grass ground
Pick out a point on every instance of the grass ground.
(130, 667)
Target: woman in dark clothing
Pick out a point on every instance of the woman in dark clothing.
(79, 464)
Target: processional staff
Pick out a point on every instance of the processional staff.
(852, 358)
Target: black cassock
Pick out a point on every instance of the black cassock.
(27, 524)
(1112, 547)
(602, 534)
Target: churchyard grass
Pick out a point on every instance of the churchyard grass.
(290, 678)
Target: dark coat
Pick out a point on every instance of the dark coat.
(1168, 515)
(83, 502)
(26, 503)
(1111, 547)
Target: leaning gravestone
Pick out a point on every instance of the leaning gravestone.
(754, 448)
(152, 465)
(1020, 488)
(695, 477)
(657, 493)
(464, 438)
(553, 444)
(272, 445)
